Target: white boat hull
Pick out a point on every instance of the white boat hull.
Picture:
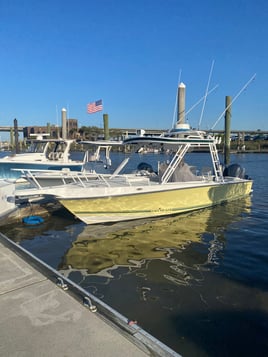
(7, 198)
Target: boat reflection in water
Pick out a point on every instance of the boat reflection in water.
(168, 274)
(102, 249)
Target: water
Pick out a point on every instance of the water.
(197, 282)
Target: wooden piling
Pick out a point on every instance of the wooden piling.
(228, 101)
(106, 127)
(16, 134)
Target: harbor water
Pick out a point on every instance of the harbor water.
(198, 282)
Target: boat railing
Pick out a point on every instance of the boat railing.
(29, 176)
(83, 180)
(65, 175)
(118, 180)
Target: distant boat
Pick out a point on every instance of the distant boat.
(97, 154)
(43, 154)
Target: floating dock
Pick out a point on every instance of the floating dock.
(45, 314)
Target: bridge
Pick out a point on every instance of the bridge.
(160, 131)
(132, 131)
(7, 128)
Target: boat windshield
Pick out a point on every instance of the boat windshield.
(37, 147)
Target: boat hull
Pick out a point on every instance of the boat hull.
(7, 199)
(169, 201)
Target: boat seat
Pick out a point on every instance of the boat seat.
(53, 155)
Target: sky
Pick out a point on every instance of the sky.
(132, 54)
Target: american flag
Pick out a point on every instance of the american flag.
(94, 106)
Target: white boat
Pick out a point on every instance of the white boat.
(7, 199)
(97, 162)
(172, 189)
(43, 154)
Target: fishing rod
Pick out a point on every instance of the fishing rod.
(238, 94)
(206, 94)
(200, 100)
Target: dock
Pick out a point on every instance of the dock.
(45, 314)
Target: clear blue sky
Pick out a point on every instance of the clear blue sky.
(66, 53)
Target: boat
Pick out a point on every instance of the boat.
(43, 154)
(7, 199)
(171, 189)
(97, 162)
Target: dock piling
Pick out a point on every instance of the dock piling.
(228, 101)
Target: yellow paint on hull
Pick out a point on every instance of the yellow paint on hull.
(153, 204)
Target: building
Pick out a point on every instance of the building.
(53, 130)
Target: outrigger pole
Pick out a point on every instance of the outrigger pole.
(200, 100)
(206, 94)
(238, 94)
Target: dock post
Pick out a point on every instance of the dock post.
(49, 129)
(181, 104)
(228, 101)
(16, 134)
(11, 138)
(63, 123)
(106, 127)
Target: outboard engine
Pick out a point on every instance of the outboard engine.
(234, 170)
(144, 169)
(143, 166)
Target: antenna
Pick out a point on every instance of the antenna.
(206, 94)
(238, 94)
